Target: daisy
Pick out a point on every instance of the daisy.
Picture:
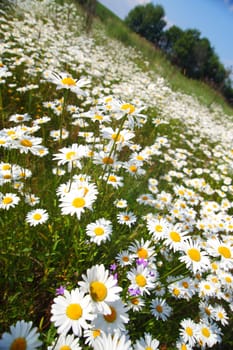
(91, 335)
(141, 249)
(157, 227)
(114, 180)
(142, 279)
(188, 331)
(208, 334)
(19, 118)
(71, 155)
(118, 137)
(116, 342)
(126, 218)
(220, 315)
(147, 342)
(224, 251)
(181, 345)
(124, 258)
(72, 310)
(174, 237)
(8, 200)
(99, 231)
(136, 303)
(21, 336)
(31, 199)
(76, 201)
(66, 81)
(160, 309)
(194, 258)
(116, 320)
(28, 144)
(101, 287)
(37, 216)
(121, 203)
(68, 342)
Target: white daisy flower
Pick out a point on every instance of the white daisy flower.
(101, 287)
(21, 336)
(160, 309)
(99, 231)
(146, 342)
(8, 200)
(72, 310)
(116, 342)
(116, 320)
(36, 217)
(65, 342)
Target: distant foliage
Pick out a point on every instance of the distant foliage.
(148, 21)
(185, 48)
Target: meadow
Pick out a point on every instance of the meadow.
(116, 197)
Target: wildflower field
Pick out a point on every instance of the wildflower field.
(116, 197)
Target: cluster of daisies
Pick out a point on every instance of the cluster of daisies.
(179, 248)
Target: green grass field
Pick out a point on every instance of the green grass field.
(116, 190)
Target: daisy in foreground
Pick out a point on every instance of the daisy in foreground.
(37, 216)
(147, 342)
(116, 342)
(101, 287)
(68, 342)
(72, 310)
(21, 337)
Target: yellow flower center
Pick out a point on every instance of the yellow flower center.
(117, 137)
(205, 332)
(148, 348)
(96, 333)
(68, 81)
(7, 176)
(135, 301)
(19, 344)
(112, 178)
(189, 331)
(98, 291)
(225, 252)
(107, 160)
(185, 285)
(142, 253)
(128, 107)
(194, 254)
(7, 200)
(20, 118)
(175, 236)
(176, 291)
(158, 228)
(65, 347)
(159, 308)
(126, 218)
(140, 280)
(98, 117)
(125, 258)
(112, 316)
(26, 143)
(74, 311)
(228, 279)
(133, 168)
(99, 231)
(6, 167)
(37, 216)
(70, 155)
(183, 347)
(78, 202)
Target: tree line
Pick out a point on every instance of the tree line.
(186, 49)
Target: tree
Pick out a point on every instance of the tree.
(148, 21)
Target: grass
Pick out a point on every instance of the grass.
(89, 131)
(116, 29)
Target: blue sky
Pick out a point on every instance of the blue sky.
(213, 18)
